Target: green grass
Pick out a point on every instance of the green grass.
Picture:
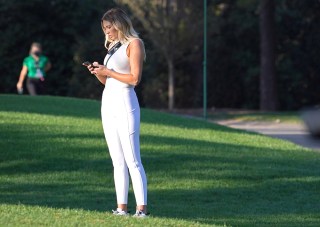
(286, 117)
(55, 170)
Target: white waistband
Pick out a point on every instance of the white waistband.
(115, 84)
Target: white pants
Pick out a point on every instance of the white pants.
(121, 124)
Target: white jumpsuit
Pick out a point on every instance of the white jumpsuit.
(120, 112)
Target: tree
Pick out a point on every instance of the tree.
(234, 67)
(268, 91)
(67, 46)
(166, 22)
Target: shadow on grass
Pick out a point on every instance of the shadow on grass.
(240, 206)
(87, 183)
(209, 182)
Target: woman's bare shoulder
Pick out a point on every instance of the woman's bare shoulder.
(137, 42)
(135, 45)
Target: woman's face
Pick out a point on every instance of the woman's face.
(35, 50)
(110, 30)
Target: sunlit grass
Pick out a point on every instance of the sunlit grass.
(55, 170)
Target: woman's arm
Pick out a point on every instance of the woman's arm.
(102, 79)
(136, 56)
(23, 74)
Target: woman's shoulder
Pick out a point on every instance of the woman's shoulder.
(135, 42)
(27, 59)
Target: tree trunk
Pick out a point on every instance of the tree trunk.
(268, 92)
(170, 34)
(171, 84)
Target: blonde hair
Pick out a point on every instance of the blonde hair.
(122, 23)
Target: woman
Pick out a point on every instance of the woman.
(35, 66)
(120, 109)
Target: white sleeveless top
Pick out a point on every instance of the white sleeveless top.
(118, 62)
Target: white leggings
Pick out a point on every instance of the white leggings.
(121, 124)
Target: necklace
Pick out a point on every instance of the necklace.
(112, 50)
(114, 47)
(112, 44)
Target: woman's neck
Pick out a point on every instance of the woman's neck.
(112, 44)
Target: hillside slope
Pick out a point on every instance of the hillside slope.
(55, 170)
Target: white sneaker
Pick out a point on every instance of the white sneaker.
(140, 214)
(120, 212)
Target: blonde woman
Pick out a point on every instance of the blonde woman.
(120, 109)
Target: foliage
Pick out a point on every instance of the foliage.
(55, 170)
(168, 24)
(70, 32)
(234, 52)
(233, 55)
(298, 53)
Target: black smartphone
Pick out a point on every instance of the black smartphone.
(87, 63)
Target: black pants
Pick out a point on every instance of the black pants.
(35, 86)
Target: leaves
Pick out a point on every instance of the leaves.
(70, 33)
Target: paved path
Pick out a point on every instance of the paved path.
(294, 132)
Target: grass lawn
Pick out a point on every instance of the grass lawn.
(286, 117)
(55, 170)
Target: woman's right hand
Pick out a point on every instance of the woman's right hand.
(90, 68)
(19, 85)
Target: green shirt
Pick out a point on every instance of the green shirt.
(34, 67)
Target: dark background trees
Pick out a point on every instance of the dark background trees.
(70, 33)
(268, 90)
(168, 24)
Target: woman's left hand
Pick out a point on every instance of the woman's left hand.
(99, 70)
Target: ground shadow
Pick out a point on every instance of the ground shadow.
(87, 183)
(205, 181)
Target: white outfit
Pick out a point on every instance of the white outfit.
(120, 112)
